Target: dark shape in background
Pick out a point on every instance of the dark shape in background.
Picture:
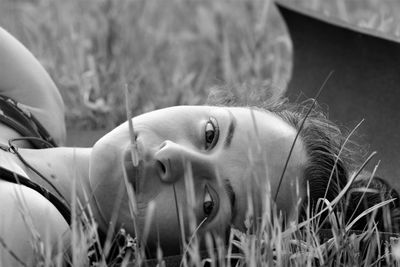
(365, 83)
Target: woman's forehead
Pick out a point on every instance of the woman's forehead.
(260, 148)
(246, 115)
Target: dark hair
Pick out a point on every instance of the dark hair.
(326, 172)
(331, 157)
(367, 192)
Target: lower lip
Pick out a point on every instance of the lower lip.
(132, 172)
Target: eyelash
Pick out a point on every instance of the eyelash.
(208, 198)
(214, 124)
(214, 199)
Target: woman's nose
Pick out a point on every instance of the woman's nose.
(172, 159)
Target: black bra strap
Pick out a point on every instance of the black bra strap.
(21, 120)
(60, 205)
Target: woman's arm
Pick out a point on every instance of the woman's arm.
(25, 80)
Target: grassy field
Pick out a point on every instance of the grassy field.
(171, 53)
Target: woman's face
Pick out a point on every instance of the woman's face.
(201, 162)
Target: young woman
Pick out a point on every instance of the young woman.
(187, 167)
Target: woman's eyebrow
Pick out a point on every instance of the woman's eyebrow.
(231, 129)
(231, 195)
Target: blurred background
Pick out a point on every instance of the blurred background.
(168, 52)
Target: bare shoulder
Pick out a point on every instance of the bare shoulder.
(24, 79)
(28, 222)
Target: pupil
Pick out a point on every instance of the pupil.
(208, 207)
(209, 136)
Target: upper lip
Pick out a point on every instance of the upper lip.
(133, 173)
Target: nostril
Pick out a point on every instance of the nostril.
(162, 167)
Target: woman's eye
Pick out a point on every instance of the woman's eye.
(208, 203)
(211, 133)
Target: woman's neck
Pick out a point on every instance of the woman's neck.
(61, 166)
(66, 168)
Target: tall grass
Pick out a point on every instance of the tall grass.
(170, 53)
